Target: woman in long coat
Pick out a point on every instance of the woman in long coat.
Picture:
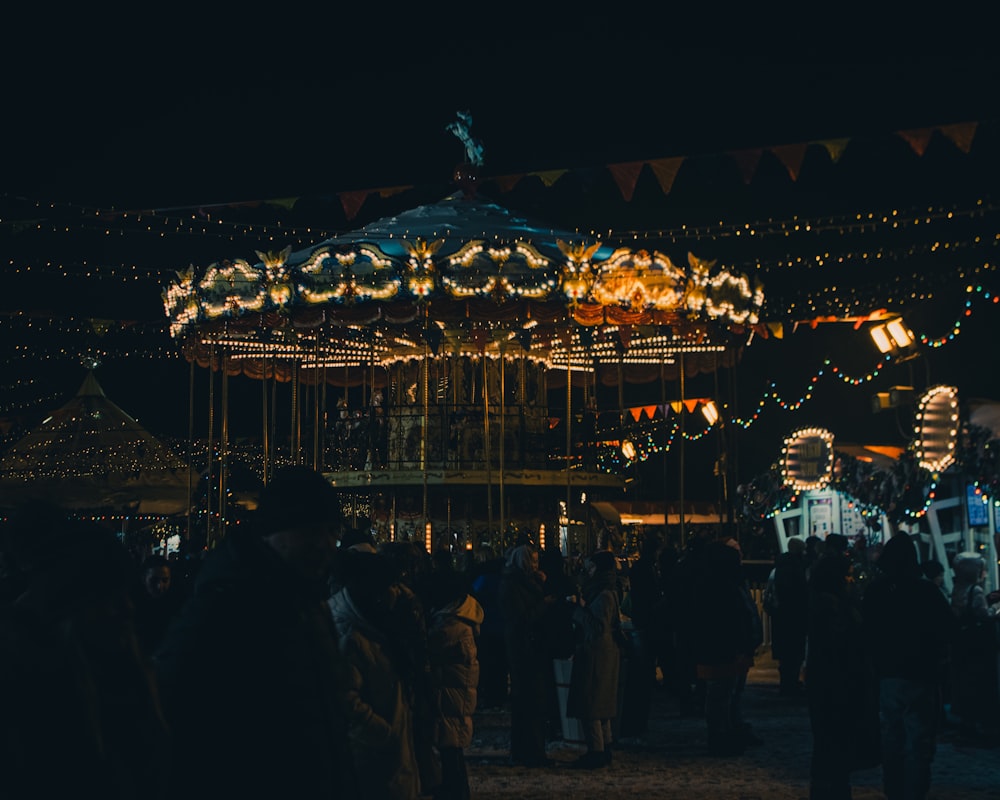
(593, 691)
(522, 599)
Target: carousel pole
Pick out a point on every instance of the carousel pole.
(720, 448)
(322, 420)
(211, 435)
(666, 442)
(487, 449)
(263, 410)
(190, 447)
(621, 402)
(223, 448)
(680, 510)
(501, 363)
(273, 437)
(315, 441)
(293, 420)
(569, 435)
(424, 431)
(522, 382)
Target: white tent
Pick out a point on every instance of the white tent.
(89, 454)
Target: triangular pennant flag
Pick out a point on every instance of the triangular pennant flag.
(777, 329)
(665, 170)
(677, 405)
(625, 334)
(507, 182)
(287, 203)
(650, 411)
(636, 412)
(791, 156)
(389, 191)
(747, 161)
(961, 135)
(663, 409)
(691, 405)
(101, 326)
(626, 176)
(918, 139)
(352, 202)
(834, 148)
(549, 177)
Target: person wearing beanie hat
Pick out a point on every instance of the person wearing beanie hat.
(249, 670)
(974, 691)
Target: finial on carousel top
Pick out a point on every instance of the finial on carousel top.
(467, 172)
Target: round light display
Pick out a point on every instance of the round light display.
(807, 459)
(937, 428)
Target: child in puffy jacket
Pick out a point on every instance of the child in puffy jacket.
(455, 617)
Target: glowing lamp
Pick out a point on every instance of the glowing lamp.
(891, 336)
(711, 412)
(628, 450)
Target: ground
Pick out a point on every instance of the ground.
(672, 761)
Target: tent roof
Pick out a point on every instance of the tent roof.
(90, 454)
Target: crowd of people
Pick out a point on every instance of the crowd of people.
(300, 658)
(889, 662)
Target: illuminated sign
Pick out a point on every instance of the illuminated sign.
(807, 459)
(937, 428)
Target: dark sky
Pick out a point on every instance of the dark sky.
(188, 112)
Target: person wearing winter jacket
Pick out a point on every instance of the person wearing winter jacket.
(452, 635)
(523, 604)
(974, 687)
(908, 630)
(593, 691)
(376, 699)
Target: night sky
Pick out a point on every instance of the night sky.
(207, 123)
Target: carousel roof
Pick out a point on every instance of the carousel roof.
(463, 276)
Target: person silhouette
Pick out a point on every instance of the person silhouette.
(249, 670)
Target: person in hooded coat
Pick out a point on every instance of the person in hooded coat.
(523, 603)
(593, 690)
(454, 626)
(376, 698)
(909, 629)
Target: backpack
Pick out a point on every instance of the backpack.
(770, 598)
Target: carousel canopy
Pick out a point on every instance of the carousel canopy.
(466, 277)
(89, 454)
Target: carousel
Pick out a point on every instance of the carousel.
(449, 362)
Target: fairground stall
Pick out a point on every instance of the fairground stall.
(942, 487)
(447, 363)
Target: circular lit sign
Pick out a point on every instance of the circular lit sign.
(937, 428)
(807, 459)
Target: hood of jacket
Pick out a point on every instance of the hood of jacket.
(467, 609)
(347, 617)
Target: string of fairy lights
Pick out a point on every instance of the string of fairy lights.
(868, 224)
(158, 345)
